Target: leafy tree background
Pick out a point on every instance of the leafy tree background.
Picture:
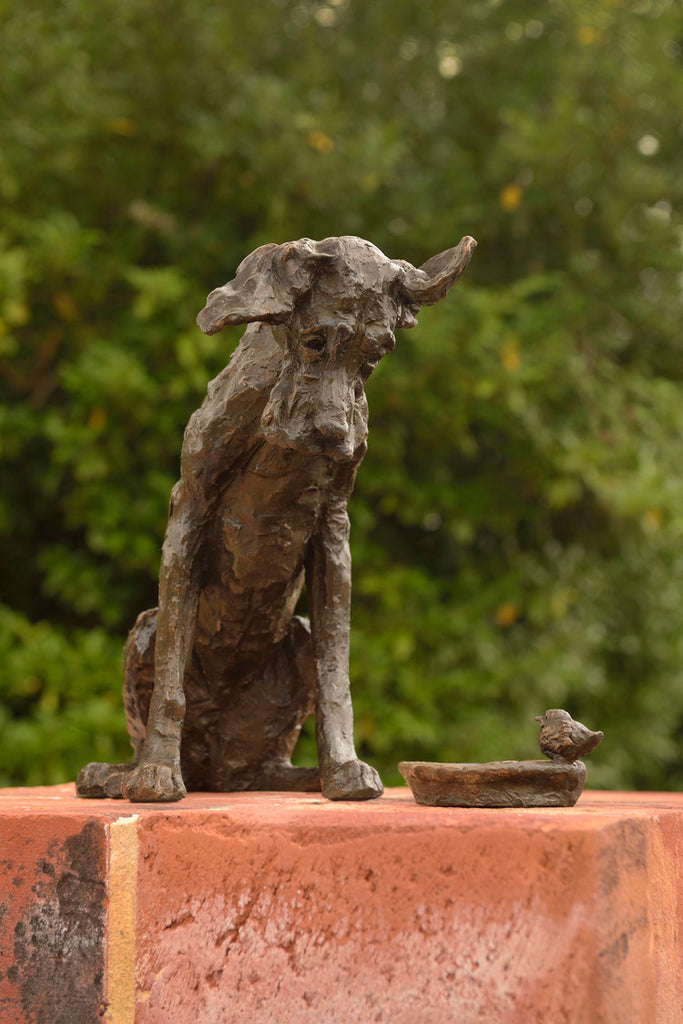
(518, 520)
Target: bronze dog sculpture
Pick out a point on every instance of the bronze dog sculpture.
(219, 678)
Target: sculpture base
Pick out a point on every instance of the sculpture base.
(496, 783)
(272, 907)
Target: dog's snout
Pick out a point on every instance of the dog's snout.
(333, 428)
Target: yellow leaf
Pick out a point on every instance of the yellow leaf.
(121, 126)
(510, 197)
(652, 518)
(507, 613)
(509, 355)
(318, 140)
(97, 420)
(587, 35)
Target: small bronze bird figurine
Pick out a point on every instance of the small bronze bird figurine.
(563, 739)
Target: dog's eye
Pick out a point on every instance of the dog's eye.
(315, 342)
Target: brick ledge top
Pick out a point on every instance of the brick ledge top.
(395, 810)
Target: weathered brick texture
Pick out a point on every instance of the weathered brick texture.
(285, 907)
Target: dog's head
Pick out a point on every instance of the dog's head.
(334, 306)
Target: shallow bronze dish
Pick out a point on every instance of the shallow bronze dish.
(495, 783)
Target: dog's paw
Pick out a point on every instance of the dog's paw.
(99, 780)
(352, 780)
(154, 783)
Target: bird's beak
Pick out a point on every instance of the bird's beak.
(539, 718)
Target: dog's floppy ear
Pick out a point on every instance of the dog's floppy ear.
(266, 287)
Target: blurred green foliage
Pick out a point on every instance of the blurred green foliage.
(518, 520)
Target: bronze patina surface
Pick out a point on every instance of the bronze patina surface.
(495, 783)
(219, 678)
(555, 783)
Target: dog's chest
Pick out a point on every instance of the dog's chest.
(268, 514)
(255, 554)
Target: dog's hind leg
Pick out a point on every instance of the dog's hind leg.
(259, 729)
(247, 747)
(296, 661)
(105, 780)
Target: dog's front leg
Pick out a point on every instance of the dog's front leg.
(328, 582)
(157, 776)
